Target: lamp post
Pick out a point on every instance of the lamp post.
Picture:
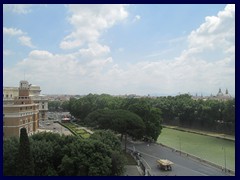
(180, 145)
(225, 159)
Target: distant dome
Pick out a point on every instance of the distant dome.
(219, 92)
(227, 94)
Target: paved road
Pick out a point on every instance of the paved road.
(49, 125)
(183, 166)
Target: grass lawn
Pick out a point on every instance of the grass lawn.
(205, 147)
(81, 132)
(86, 135)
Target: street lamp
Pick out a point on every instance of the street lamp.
(225, 160)
(180, 144)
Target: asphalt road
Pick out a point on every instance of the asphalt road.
(49, 125)
(183, 166)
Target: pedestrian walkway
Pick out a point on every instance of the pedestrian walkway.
(132, 170)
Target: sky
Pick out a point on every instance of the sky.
(143, 49)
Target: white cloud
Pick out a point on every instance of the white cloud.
(136, 18)
(59, 72)
(7, 52)
(218, 32)
(17, 8)
(192, 71)
(94, 50)
(12, 31)
(26, 41)
(37, 54)
(89, 21)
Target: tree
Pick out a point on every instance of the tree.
(151, 116)
(10, 151)
(67, 166)
(118, 160)
(65, 155)
(43, 153)
(107, 137)
(88, 158)
(118, 163)
(121, 121)
(25, 164)
(54, 105)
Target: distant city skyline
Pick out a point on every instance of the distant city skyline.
(120, 49)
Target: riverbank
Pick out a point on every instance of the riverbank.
(220, 151)
(205, 133)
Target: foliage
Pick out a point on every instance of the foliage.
(180, 110)
(10, 151)
(43, 153)
(150, 115)
(121, 121)
(25, 163)
(74, 128)
(211, 115)
(108, 138)
(55, 155)
(54, 105)
(118, 160)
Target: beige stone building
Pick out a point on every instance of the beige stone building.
(9, 93)
(19, 111)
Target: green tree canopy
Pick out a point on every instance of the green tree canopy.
(25, 163)
(121, 121)
(10, 152)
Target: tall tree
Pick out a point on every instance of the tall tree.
(25, 164)
(121, 121)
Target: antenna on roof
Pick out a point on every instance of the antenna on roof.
(24, 75)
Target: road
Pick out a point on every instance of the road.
(51, 126)
(183, 166)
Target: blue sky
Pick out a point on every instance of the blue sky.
(120, 49)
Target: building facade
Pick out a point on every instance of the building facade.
(9, 93)
(41, 100)
(22, 112)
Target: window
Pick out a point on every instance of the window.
(20, 108)
(42, 106)
(7, 95)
